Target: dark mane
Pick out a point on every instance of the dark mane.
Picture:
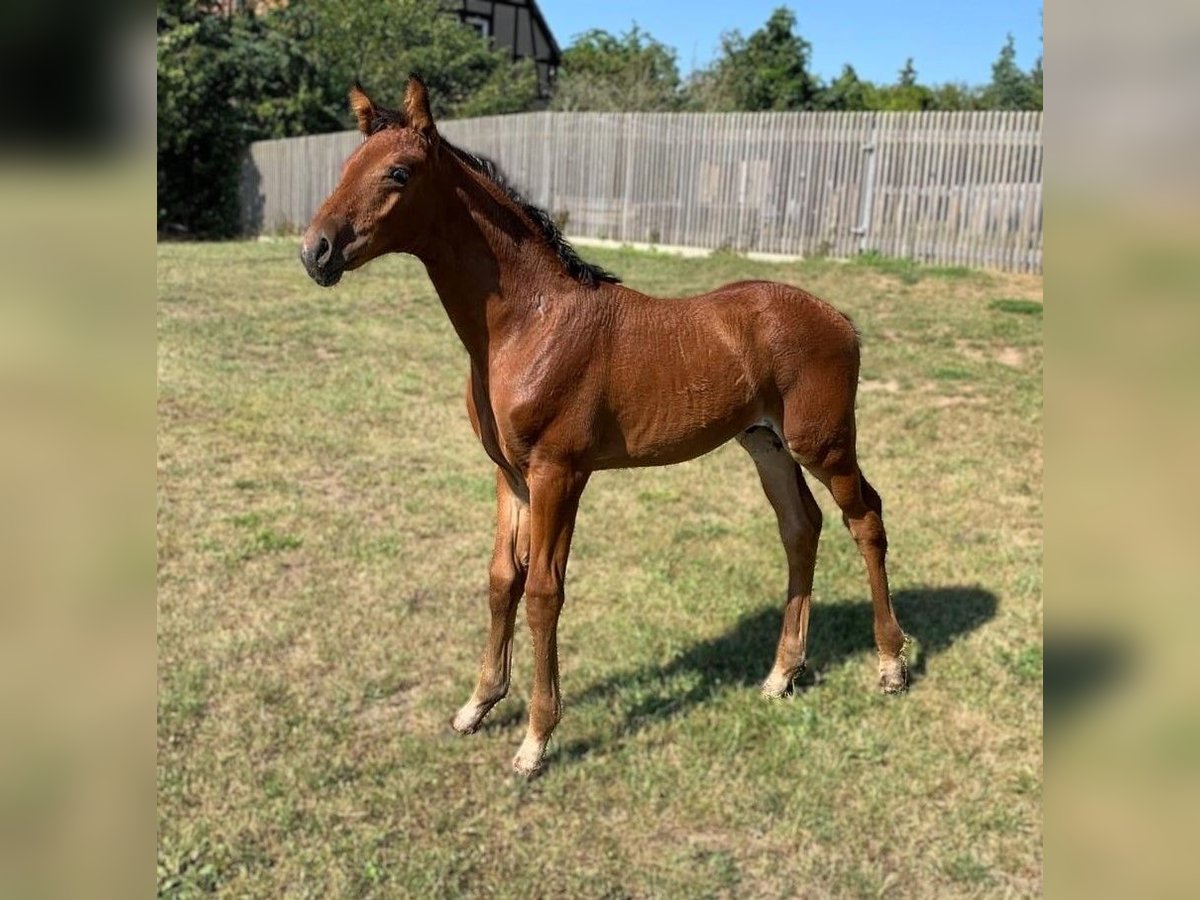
(577, 268)
(386, 118)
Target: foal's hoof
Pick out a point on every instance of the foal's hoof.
(528, 763)
(779, 684)
(468, 719)
(892, 675)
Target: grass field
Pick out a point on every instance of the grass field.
(324, 524)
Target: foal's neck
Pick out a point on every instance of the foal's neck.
(485, 259)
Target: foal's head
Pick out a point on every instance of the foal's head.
(383, 201)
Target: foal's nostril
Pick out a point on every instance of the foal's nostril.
(324, 251)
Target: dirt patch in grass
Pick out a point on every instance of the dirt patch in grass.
(1010, 356)
(981, 352)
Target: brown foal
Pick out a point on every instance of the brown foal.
(572, 372)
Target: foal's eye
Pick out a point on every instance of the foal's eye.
(398, 175)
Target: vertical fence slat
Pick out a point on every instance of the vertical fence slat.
(883, 224)
(984, 188)
(935, 230)
(963, 176)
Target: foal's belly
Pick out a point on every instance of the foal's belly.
(664, 455)
(661, 437)
(677, 401)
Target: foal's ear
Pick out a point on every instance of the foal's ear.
(416, 108)
(363, 107)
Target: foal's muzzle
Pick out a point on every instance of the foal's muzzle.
(323, 259)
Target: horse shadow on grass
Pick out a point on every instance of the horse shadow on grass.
(742, 656)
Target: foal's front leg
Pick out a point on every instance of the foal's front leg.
(554, 492)
(506, 582)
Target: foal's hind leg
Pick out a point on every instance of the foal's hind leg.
(862, 511)
(799, 520)
(506, 583)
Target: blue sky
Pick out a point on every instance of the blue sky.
(950, 41)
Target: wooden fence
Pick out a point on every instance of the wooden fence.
(959, 188)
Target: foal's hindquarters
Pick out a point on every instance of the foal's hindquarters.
(813, 427)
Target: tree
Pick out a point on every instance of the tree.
(223, 81)
(849, 92)
(767, 70)
(905, 95)
(277, 88)
(632, 72)
(846, 92)
(1035, 77)
(508, 89)
(954, 95)
(379, 42)
(1010, 87)
(198, 145)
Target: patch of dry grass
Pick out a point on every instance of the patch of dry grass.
(324, 524)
